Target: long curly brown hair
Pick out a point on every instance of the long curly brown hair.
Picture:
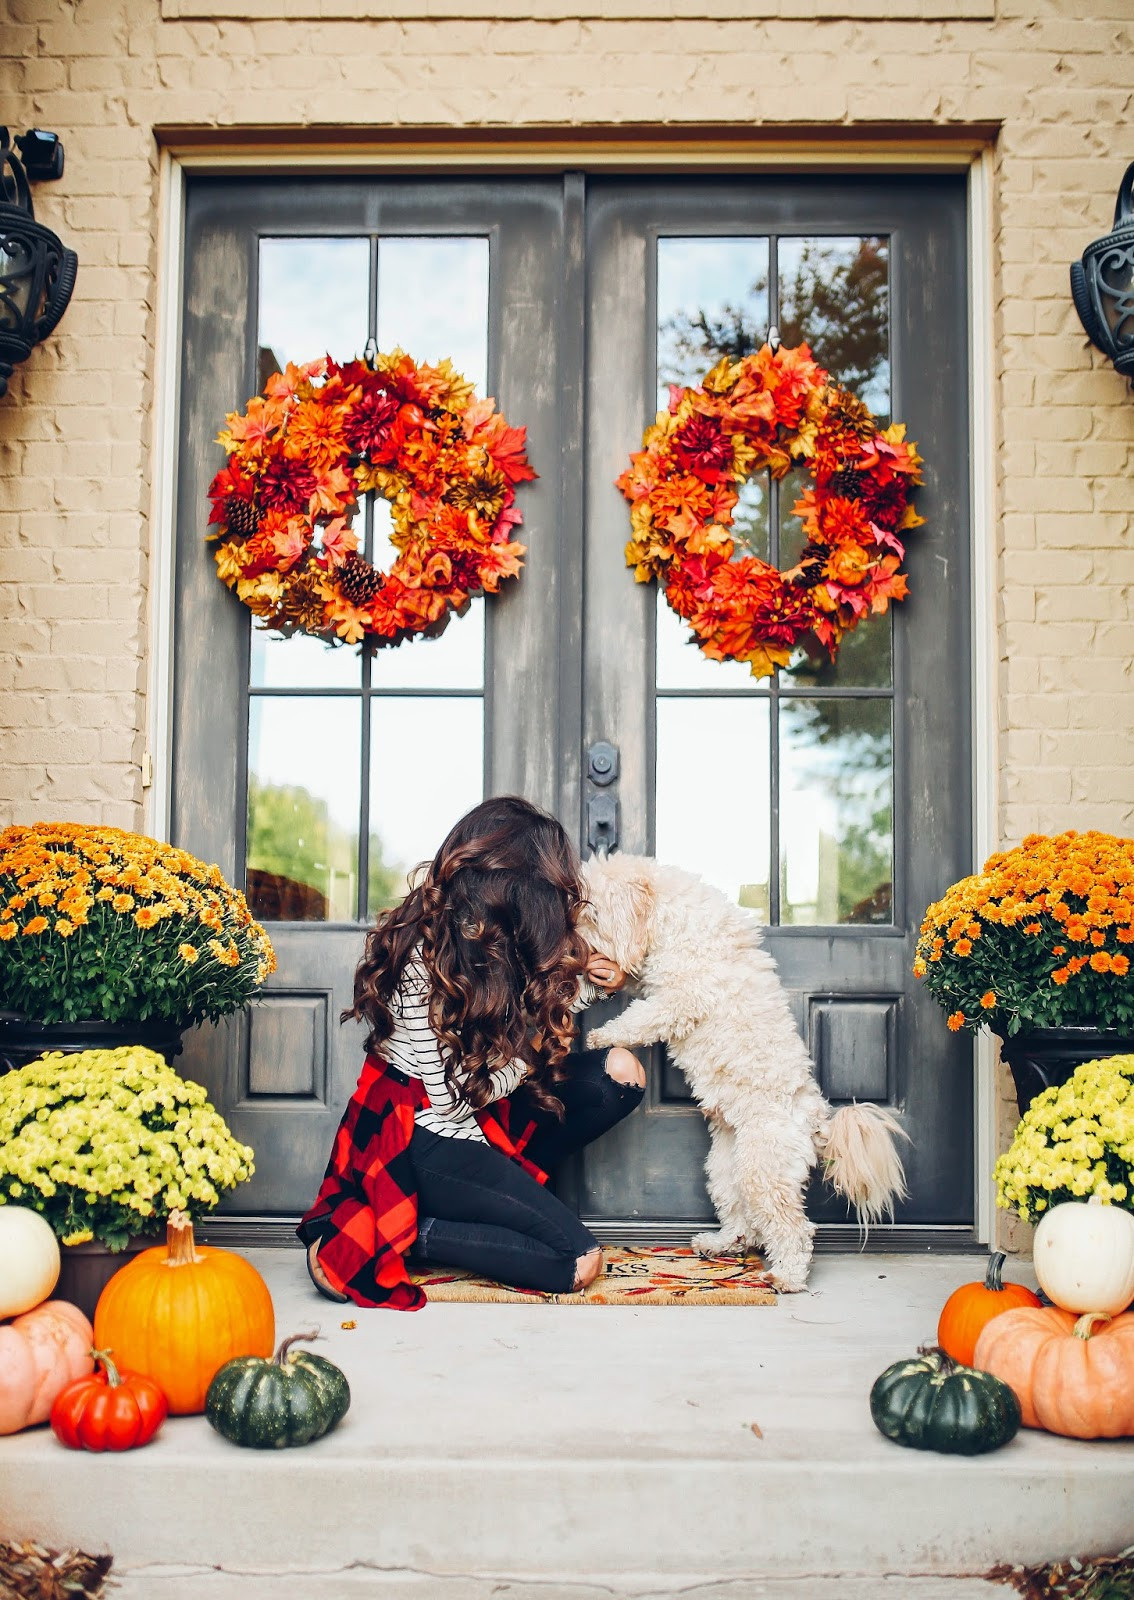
(495, 917)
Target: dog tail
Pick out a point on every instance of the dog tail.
(860, 1154)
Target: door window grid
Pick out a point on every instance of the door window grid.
(817, 263)
(433, 691)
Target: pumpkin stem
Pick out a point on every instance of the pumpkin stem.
(295, 1338)
(948, 1365)
(992, 1278)
(1086, 1323)
(102, 1359)
(180, 1245)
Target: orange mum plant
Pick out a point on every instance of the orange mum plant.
(1042, 938)
(100, 924)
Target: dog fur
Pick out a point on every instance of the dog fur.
(708, 989)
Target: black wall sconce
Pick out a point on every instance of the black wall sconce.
(1102, 285)
(37, 273)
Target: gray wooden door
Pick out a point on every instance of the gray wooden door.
(833, 801)
(836, 803)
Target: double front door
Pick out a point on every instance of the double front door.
(832, 801)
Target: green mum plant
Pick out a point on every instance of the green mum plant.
(100, 924)
(105, 1144)
(1042, 938)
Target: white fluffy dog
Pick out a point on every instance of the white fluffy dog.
(709, 991)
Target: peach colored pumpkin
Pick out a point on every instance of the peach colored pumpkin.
(40, 1354)
(1072, 1375)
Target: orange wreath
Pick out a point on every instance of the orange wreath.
(768, 412)
(321, 435)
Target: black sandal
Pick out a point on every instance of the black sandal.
(324, 1288)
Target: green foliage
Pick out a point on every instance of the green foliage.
(293, 837)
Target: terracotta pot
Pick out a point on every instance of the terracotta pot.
(22, 1040)
(86, 1269)
(1047, 1057)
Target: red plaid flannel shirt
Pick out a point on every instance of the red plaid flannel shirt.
(365, 1213)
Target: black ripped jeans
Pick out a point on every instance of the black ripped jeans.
(478, 1209)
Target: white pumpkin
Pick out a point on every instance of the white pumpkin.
(1084, 1256)
(29, 1260)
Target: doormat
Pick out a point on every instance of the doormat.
(658, 1275)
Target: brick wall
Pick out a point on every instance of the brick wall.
(75, 433)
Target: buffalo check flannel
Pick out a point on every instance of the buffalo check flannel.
(365, 1214)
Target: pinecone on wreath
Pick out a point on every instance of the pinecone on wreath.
(812, 565)
(357, 581)
(847, 483)
(241, 517)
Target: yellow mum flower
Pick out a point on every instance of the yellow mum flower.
(188, 953)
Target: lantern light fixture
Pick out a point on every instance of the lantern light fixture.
(1102, 285)
(37, 272)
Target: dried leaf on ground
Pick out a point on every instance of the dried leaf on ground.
(32, 1572)
(1096, 1578)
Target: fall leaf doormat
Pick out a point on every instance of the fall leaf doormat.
(661, 1275)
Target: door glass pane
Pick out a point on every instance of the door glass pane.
(680, 663)
(426, 771)
(302, 662)
(836, 811)
(433, 302)
(454, 661)
(835, 296)
(864, 661)
(314, 297)
(712, 793)
(303, 799)
(314, 300)
(712, 302)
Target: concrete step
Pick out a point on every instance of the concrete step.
(545, 1445)
(200, 1583)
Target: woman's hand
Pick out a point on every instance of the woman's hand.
(603, 972)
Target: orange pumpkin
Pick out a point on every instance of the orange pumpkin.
(970, 1308)
(40, 1354)
(1073, 1376)
(178, 1312)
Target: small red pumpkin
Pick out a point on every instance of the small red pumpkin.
(108, 1410)
(970, 1309)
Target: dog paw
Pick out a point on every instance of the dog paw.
(788, 1282)
(598, 1040)
(716, 1244)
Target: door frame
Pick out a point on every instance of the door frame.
(969, 151)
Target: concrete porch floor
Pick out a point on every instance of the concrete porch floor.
(531, 1451)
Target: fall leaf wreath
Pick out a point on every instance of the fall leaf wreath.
(770, 411)
(323, 434)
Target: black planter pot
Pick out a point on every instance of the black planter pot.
(22, 1040)
(1047, 1057)
(86, 1269)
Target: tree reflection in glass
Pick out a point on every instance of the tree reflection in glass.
(836, 811)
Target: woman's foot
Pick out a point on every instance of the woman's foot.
(319, 1277)
(587, 1269)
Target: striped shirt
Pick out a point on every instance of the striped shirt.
(414, 1049)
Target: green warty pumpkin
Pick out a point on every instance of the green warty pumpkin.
(268, 1405)
(931, 1402)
